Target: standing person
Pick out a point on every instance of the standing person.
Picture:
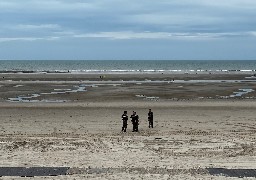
(150, 119)
(135, 121)
(125, 119)
(136, 117)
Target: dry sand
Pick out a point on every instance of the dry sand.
(82, 133)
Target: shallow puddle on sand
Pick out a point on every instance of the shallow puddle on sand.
(18, 85)
(80, 88)
(238, 93)
(29, 98)
(241, 92)
(147, 97)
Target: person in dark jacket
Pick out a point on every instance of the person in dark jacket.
(135, 122)
(124, 119)
(150, 119)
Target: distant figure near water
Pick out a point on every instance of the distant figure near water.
(125, 119)
(150, 119)
(135, 122)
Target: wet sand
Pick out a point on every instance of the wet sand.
(190, 133)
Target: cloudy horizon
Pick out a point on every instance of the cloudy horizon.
(114, 29)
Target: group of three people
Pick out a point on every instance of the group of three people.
(135, 121)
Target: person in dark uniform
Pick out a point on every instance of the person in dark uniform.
(125, 119)
(150, 119)
(135, 121)
(136, 117)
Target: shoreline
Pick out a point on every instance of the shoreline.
(137, 72)
(124, 76)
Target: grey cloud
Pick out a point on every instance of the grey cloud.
(124, 15)
(45, 5)
(163, 35)
(129, 35)
(7, 39)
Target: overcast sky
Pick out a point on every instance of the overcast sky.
(128, 29)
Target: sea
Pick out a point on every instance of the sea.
(123, 66)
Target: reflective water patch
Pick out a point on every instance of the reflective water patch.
(147, 97)
(29, 98)
(241, 92)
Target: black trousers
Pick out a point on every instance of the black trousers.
(124, 126)
(150, 123)
(135, 127)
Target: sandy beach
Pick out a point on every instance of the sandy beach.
(75, 121)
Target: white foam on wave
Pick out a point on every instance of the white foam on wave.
(175, 70)
(94, 70)
(121, 70)
(100, 71)
(149, 70)
(221, 70)
(246, 70)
